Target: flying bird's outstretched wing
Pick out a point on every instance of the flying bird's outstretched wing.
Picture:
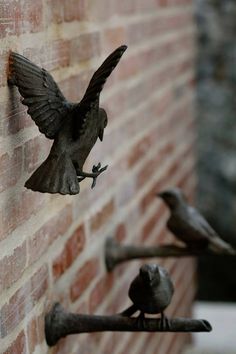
(46, 104)
(90, 101)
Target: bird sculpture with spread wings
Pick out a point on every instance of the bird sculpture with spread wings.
(74, 127)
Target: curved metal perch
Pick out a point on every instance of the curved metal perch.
(59, 323)
(115, 253)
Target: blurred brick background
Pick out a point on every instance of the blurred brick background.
(51, 245)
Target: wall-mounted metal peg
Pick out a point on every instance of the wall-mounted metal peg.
(115, 253)
(59, 324)
(151, 292)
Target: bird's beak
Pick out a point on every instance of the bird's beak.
(100, 135)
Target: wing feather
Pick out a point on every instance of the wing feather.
(46, 104)
(90, 100)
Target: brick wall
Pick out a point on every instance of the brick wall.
(52, 245)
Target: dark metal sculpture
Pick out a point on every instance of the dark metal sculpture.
(190, 227)
(115, 253)
(186, 223)
(146, 294)
(151, 292)
(74, 127)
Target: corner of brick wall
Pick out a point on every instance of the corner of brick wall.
(52, 245)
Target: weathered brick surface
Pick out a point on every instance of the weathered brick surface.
(22, 302)
(12, 266)
(52, 246)
(73, 247)
(18, 345)
(83, 278)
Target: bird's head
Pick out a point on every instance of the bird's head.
(172, 197)
(150, 274)
(103, 122)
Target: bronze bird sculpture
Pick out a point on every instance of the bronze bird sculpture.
(189, 226)
(74, 127)
(151, 292)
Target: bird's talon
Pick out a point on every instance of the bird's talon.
(141, 320)
(165, 323)
(103, 169)
(94, 182)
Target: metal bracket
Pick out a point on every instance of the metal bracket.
(59, 324)
(115, 253)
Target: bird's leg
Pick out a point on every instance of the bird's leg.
(129, 311)
(165, 323)
(141, 320)
(96, 171)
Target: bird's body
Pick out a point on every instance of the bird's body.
(189, 226)
(74, 127)
(151, 294)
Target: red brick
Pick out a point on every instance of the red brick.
(72, 249)
(113, 341)
(102, 216)
(147, 6)
(146, 29)
(18, 210)
(74, 10)
(79, 81)
(130, 67)
(126, 7)
(3, 61)
(150, 197)
(35, 332)
(21, 17)
(149, 227)
(55, 11)
(10, 168)
(65, 10)
(163, 2)
(148, 170)
(100, 11)
(18, 346)
(51, 55)
(51, 230)
(9, 14)
(114, 37)
(85, 276)
(115, 105)
(126, 192)
(31, 16)
(152, 222)
(120, 233)
(100, 291)
(23, 301)
(34, 149)
(14, 116)
(140, 149)
(84, 47)
(12, 267)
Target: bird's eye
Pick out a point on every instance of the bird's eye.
(105, 122)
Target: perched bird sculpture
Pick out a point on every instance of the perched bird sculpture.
(151, 292)
(74, 127)
(189, 226)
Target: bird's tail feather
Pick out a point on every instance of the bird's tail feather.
(55, 175)
(217, 245)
